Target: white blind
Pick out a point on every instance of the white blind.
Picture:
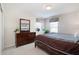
(54, 27)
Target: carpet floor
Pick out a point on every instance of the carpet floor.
(28, 49)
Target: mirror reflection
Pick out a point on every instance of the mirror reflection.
(24, 25)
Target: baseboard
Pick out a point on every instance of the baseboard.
(8, 48)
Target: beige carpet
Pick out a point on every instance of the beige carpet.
(28, 49)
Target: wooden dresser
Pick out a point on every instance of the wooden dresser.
(23, 38)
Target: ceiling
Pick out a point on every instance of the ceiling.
(38, 9)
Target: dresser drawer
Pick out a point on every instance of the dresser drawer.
(24, 38)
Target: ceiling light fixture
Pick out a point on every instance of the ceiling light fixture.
(48, 7)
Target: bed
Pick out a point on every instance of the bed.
(58, 43)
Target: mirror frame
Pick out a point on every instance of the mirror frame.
(21, 23)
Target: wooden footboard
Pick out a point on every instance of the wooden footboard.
(49, 49)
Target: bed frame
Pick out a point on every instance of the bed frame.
(52, 50)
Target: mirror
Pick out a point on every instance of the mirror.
(24, 25)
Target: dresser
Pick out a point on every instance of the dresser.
(23, 38)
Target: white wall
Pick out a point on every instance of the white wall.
(69, 23)
(11, 23)
(0, 32)
(47, 26)
(11, 17)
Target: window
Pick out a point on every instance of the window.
(53, 26)
(38, 25)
